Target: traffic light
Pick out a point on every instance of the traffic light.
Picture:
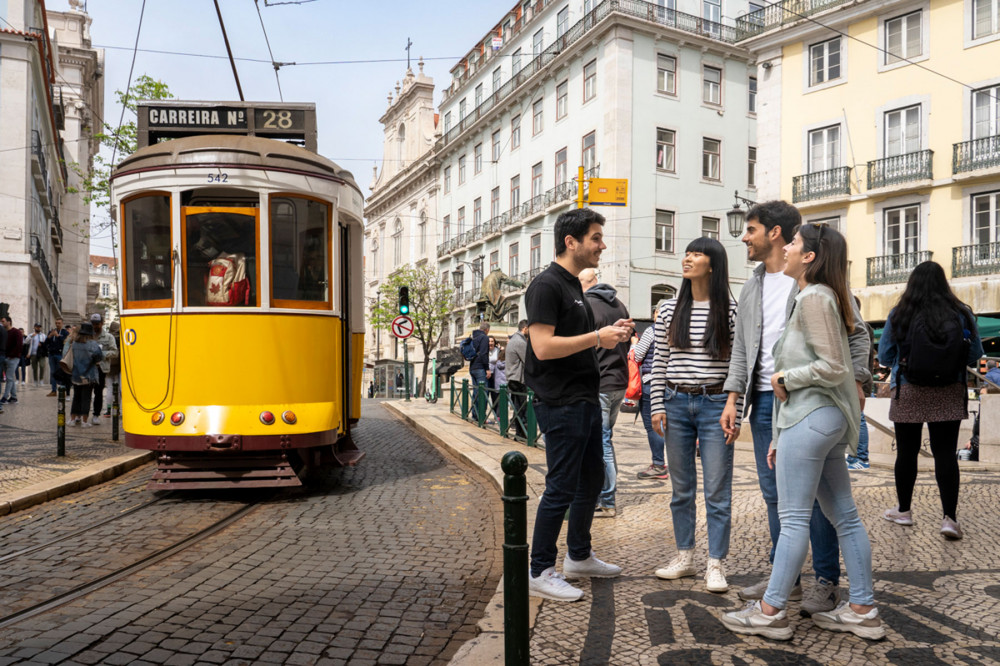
(404, 300)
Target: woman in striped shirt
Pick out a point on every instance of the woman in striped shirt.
(690, 362)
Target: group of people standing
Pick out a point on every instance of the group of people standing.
(791, 357)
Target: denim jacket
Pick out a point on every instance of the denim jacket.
(888, 350)
(86, 355)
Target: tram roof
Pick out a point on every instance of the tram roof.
(235, 151)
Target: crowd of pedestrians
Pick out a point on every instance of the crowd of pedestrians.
(792, 357)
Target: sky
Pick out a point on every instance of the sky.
(350, 96)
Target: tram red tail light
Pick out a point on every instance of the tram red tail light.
(289, 417)
(177, 418)
(267, 418)
(157, 418)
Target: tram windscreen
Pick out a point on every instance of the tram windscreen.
(300, 250)
(220, 257)
(147, 251)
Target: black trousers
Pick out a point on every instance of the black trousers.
(81, 400)
(518, 402)
(99, 392)
(944, 443)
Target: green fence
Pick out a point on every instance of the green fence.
(499, 409)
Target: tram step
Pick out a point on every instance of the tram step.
(208, 472)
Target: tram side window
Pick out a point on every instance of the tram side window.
(147, 251)
(220, 257)
(300, 252)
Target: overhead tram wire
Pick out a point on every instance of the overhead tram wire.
(276, 65)
(232, 62)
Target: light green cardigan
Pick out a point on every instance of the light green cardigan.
(814, 355)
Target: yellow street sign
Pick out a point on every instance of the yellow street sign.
(608, 192)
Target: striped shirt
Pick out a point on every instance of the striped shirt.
(693, 366)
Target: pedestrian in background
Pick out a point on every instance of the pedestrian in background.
(36, 355)
(479, 367)
(517, 346)
(22, 368)
(86, 355)
(109, 348)
(929, 339)
(859, 460)
(13, 350)
(114, 377)
(561, 368)
(613, 366)
(816, 420)
(500, 369)
(3, 357)
(691, 356)
(54, 345)
(658, 467)
(993, 372)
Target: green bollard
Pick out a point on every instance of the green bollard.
(531, 423)
(451, 398)
(61, 422)
(515, 559)
(481, 405)
(502, 415)
(465, 399)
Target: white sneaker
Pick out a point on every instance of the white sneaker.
(751, 620)
(74, 422)
(679, 567)
(95, 420)
(715, 576)
(86, 424)
(552, 585)
(843, 618)
(590, 568)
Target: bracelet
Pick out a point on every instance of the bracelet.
(597, 332)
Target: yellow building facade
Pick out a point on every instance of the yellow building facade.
(883, 119)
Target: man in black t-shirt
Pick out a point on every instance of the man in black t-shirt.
(561, 367)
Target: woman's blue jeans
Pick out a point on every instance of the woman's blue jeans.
(810, 466)
(655, 440)
(695, 418)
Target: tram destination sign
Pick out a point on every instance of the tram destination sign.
(289, 122)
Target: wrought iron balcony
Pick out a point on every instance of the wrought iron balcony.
(894, 268)
(976, 154)
(900, 169)
(781, 14)
(38, 256)
(56, 231)
(982, 259)
(821, 184)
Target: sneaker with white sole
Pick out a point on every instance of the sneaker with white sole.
(894, 515)
(950, 529)
(757, 590)
(679, 567)
(552, 585)
(752, 620)
(654, 472)
(843, 618)
(589, 568)
(715, 576)
(95, 420)
(86, 424)
(605, 512)
(823, 596)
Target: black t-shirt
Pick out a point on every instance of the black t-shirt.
(556, 298)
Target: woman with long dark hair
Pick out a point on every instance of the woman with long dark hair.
(817, 418)
(693, 342)
(941, 332)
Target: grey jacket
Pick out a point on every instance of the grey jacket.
(749, 327)
(517, 347)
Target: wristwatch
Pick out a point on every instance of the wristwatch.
(781, 380)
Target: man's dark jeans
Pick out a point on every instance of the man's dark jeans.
(574, 455)
(478, 377)
(99, 392)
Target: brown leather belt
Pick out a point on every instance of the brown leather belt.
(705, 389)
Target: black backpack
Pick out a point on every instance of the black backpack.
(468, 349)
(934, 358)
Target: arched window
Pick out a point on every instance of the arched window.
(401, 145)
(660, 292)
(397, 243)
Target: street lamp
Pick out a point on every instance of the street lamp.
(737, 216)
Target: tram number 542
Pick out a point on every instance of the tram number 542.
(218, 178)
(277, 119)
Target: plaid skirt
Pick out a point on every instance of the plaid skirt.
(929, 404)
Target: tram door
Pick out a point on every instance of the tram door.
(219, 256)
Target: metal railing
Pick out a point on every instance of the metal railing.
(982, 259)
(509, 413)
(976, 154)
(38, 255)
(894, 268)
(821, 184)
(900, 169)
(56, 230)
(41, 172)
(781, 13)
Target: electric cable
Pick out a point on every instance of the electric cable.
(276, 65)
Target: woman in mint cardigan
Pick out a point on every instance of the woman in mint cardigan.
(816, 420)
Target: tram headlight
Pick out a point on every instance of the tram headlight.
(157, 418)
(267, 418)
(177, 418)
(288, 417)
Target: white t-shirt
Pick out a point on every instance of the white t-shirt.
(774, 304)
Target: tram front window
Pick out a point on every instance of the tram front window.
(300, 252)
(220, 257)
(147, 251)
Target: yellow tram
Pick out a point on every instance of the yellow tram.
(241, 295)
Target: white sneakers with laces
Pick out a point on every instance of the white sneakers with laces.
(715, 576)
(589, 568)
(682, 565)
(552, 585)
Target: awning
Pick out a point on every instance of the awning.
(989, 327)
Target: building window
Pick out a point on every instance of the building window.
(461, 110)
(536, 180)
(536, 252)
(515, 62)
(512, 268)
(665, 144)
(710, 227)
(711, 90)
(902, 131)
(446, 227)
(495, 203)
(560, 170)
(397, 243)
(459, 328)
(447, 122)
(515, 192)
(824, 61)
(903, 38)
(515, 132)
(562, 98)
(984, 18)
(985, 224)
(477, 212)
(664, 231)
(986, 112)
(824, 149)
(461, 169)
(536, 117)
(589, 80)
(447, 179)
(752, 94)
(105, 289)
(833, 222)
(477, 158)
(712, 13)
(479, 95)
(423, 233)
(536, 43)
(658, 294)
(751, 167)
(477, 273)
(562, 22)
(461, 220)
(711, 154)
(496, 79)
(589, 156)
(902, 230)
(494, 260)
(495, 147)
(666, 74)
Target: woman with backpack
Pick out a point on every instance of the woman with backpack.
(929, 339)
(692, 347)
(86, 354)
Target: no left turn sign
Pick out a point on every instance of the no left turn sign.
(402, 327)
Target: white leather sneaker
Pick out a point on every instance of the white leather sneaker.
(715, 576)
(590, 568)
(679, 567)
(552, 585)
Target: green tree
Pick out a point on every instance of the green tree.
(430, 305)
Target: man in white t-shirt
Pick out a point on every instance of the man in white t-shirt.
(35, 351)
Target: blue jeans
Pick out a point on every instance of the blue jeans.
(655, 440)
(822, 535)
(573, 455)
(810, 467)
(691, 418)
(478, 377)
(611, 403)
(10, 390)
(862, 454)
(53, 367)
